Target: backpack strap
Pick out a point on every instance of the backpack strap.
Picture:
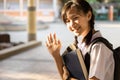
(100, 39)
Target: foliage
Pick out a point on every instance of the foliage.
(92, 1)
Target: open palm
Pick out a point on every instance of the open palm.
(53, 44)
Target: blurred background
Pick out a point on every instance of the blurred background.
(50, 9)
(24, 26)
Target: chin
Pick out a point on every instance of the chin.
(77, 34)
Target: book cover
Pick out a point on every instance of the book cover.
(74, 62)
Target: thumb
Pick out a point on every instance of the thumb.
(66, 73)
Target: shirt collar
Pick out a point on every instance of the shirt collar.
(97, 34)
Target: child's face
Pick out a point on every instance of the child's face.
(78, 22)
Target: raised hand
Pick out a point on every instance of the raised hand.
(53, 45)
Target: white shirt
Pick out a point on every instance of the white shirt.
(101, 60)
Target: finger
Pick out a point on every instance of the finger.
(51, 38)
(49, 45)
(48, 42)
(66, 74)
(59, 42)
(48, 38)
(65, 70)
(55, 38)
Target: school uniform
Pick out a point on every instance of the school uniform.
(101, 59)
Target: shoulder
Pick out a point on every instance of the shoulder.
(101, 55)
(100, 47)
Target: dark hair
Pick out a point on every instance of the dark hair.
(80, 5)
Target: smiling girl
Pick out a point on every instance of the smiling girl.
(79, 19)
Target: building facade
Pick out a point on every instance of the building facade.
(46, 10)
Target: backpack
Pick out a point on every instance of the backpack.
(116, 54)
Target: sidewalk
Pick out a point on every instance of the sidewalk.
(11, 51)
(29, 65)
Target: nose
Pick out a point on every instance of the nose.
(71, 25)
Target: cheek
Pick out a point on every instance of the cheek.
(69, 28)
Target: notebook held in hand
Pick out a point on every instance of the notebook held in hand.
(74, 62)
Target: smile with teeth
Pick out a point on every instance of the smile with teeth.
(76, 30)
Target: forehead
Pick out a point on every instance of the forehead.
(72, 12)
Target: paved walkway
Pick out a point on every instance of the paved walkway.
(30, 65)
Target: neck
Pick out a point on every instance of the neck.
(85, 33)
(88, 36)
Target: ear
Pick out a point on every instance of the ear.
(89, 15)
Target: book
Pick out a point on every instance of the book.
(74, 62)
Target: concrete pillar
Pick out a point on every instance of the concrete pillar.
(31, 20)
(111, 13)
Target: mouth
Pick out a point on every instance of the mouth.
(76, 30)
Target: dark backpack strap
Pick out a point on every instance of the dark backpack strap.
(98, 39)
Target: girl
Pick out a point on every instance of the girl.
(79, 18)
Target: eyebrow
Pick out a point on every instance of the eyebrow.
(72, 16)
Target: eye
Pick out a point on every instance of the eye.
(67, 21)
(75, 18)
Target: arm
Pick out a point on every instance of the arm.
(54, 46)
(59, 63)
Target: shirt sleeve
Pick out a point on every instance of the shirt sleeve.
(100, 61)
